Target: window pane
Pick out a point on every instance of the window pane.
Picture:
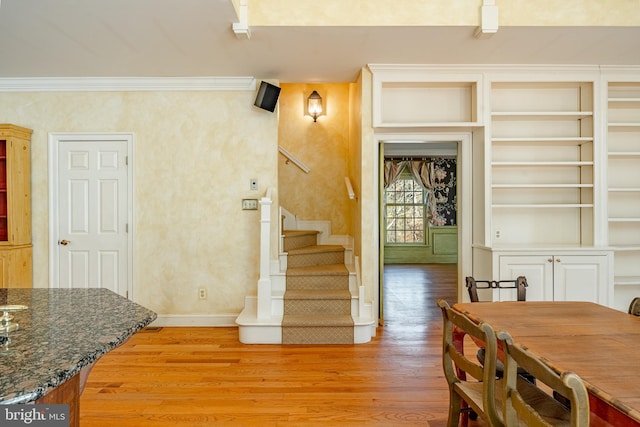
(405, 210)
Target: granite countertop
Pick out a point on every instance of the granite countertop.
(61, 332)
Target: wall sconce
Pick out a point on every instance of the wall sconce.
(314, 105)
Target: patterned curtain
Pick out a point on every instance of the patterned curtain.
(422, 172)
(392, 170)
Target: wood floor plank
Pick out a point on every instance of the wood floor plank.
(203, 376)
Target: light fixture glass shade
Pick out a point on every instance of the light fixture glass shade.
(314, 105)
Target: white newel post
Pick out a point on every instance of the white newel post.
(264, 283)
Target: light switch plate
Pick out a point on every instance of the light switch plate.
(250, 204)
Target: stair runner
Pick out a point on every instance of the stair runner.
(317, 300)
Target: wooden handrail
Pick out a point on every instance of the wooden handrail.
(294, 159)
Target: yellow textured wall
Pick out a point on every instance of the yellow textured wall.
(195, 153)
(438, 12)
(322, 147)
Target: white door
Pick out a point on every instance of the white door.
(92, 242)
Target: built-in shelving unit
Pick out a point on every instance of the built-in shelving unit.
(623, 177)
(555, 168)
(15, 207)
(542, 163)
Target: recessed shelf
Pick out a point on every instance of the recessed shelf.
(624, 219)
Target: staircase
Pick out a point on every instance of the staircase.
(317, 299)
(311, 294)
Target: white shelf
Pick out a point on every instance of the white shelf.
(626, 280)
(612, 219)
(624, 190)
(625, 248)
(624, 125)
(545, 206)
(540, 114)
(624, 154)
(536, 164)
(571, 140)
(624, 100)
(542, 186)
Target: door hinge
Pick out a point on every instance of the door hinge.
(126, 228)
(126, 160)
(127, 294)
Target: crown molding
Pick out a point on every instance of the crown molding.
(121, 84)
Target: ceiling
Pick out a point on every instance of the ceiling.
(189, 38)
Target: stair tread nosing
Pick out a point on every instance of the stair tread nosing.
(319, 270)
(316, 249)
(317, 320)
(317, 294)
(296, 233)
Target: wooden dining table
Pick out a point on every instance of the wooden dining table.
(600, 344)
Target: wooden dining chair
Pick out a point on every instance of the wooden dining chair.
(634, 307)
(528, 404)
(520, 284)
(471, 384)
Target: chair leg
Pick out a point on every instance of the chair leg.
(456, 416)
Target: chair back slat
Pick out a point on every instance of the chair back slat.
(523, 404)
(519, 284)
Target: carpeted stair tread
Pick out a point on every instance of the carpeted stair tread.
(317, 300)
(317, 320)
(317, 294)
(319, 270)
(312, 249)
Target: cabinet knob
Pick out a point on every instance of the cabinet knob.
(557, 259)
(64, 242)
(550, 260)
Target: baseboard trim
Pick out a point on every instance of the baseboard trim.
(197, 320)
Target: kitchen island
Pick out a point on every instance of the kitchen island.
(61, 334)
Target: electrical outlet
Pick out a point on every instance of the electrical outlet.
(202, 293)
(250, 204)
(497, 234)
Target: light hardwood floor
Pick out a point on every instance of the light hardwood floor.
(205, 376)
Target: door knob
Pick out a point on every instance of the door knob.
(64, 242)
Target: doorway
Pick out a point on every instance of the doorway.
(431, 144)
(91, 211)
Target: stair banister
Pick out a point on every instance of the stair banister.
(291, 158)
(264, 283)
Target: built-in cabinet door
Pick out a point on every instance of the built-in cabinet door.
(580, 278)
(536, 268)
(559, 277)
